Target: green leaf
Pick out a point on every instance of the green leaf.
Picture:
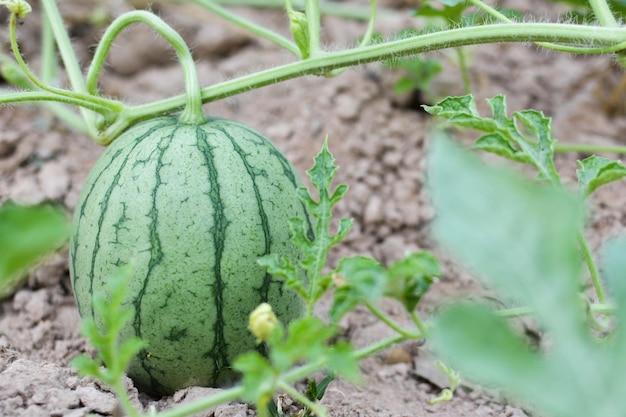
(410, 278)
(259, 378)
(318, 392)
(404, 85)
(341, 361)
(451, 12)
(504, 228)
(596, 171)
(312, 235)
(13, 74)
(537, 150)
(359, 279)
(496, 144)
(420, 73)
(323, 171)
(306, 340)
(300, 32)
(363, 280)
(491, 351)
(27, 234)
(284, 267)
(614, 266)
(103, 332)
(520, 237)
(316, 249)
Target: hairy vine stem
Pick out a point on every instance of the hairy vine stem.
(118, 117)
(607, 39)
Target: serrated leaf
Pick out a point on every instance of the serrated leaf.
(541, 152)
(462, 111)
(596, 171)
(344, 227)
(323, 170)
(284, 268)
(538, 150)
(312, 234)
(496, 144)
(26, 235)
(498, 108)
(454, 106)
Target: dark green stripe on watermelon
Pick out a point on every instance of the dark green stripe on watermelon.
(191, 208)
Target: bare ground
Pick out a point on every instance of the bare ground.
(378, 139)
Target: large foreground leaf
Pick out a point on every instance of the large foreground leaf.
(520, 238)
(27, 234)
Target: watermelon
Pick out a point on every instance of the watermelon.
(191, 208)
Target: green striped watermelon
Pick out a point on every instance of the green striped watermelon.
(191, 208)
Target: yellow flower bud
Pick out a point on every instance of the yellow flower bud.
(262, 322)
(19, 7)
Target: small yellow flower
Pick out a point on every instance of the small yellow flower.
(338, 280)
(18, 7)
(262, 322)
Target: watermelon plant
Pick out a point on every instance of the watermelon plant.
(188, 223)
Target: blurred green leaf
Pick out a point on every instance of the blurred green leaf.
(363, 280)
(410, 278)
(103, 332)
(419, 74)
(618, 7)
(450, 13)
(341, 361)
(491, 350)
(614, 266)
(26, 235)
(520, 238)
(504, 228)
(259, 378)
(358, 279)
(595, 171)
(306, 340)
